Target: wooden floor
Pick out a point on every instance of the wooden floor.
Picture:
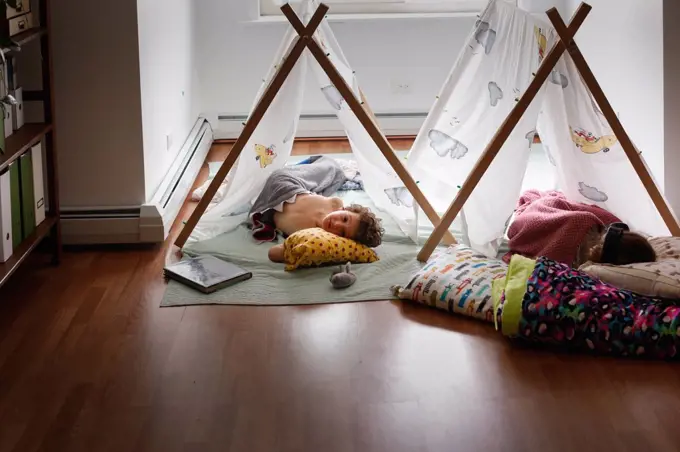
(89, 362)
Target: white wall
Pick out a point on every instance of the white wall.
(167, 69)
(671, 16)
(124, 78)
(97, 101)
(236, 50)
(622, 40)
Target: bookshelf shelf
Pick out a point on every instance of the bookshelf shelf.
(21, 141)
(26, 37)
(23, 250)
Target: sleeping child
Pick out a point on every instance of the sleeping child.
(298, 197)
(549, 225)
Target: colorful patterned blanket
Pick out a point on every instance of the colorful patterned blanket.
(543, 301)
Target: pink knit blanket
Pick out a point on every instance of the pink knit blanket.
(547, 224)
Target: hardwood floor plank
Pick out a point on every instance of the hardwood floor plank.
(90, 362)
(64, 425)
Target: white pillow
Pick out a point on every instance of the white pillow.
(457, 280)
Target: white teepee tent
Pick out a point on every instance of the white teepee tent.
(271, 143)
(509, 83)
(495, 72)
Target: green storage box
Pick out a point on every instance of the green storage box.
(27, 195)
(15, 195)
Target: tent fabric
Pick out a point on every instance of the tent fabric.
(590, 164)
(271, 143)
(502, 53)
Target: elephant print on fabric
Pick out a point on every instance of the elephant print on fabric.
(399, 196)
(592, 193)
(333, 96)
(265, 155)
(589, 143)
(444, 144)
(495, 93)
(485, 36)
(542, 42)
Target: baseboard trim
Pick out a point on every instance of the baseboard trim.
(157, 216)
(151, 222)
(314, 126)
(321, 139)
(100, 231)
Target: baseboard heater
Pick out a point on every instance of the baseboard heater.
(151, 222)
(327, 125)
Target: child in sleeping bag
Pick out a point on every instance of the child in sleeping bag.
(549, 225)
(546, 302)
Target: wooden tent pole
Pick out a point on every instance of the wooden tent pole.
(626, 143)
(504, 131)
(298, 46)
(366, 120)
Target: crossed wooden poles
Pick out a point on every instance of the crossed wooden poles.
(305, 39)
(441, 233)
(565, 43)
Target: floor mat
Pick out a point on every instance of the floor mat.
(271, 285)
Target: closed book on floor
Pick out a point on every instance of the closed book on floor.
(5, 218)
(206, 273)
(27, 197)
(15, 198)
(38, 183)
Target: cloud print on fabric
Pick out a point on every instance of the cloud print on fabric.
(495, 93)
(559, 78)
(333, 96)
(530, 136)
(485, 36)
(399, 196)
(444, 144)
(592, 193)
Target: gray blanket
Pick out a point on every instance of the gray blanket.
(324, 176)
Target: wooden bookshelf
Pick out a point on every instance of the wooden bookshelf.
(22, 140)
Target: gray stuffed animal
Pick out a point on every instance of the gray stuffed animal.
(342, 277)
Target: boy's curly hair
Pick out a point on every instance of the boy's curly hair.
(370, 229)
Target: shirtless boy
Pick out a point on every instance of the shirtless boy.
(297, 197)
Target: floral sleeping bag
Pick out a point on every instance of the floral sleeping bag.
(546, 302)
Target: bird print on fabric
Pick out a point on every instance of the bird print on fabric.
(265, 155)
(591, 144)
